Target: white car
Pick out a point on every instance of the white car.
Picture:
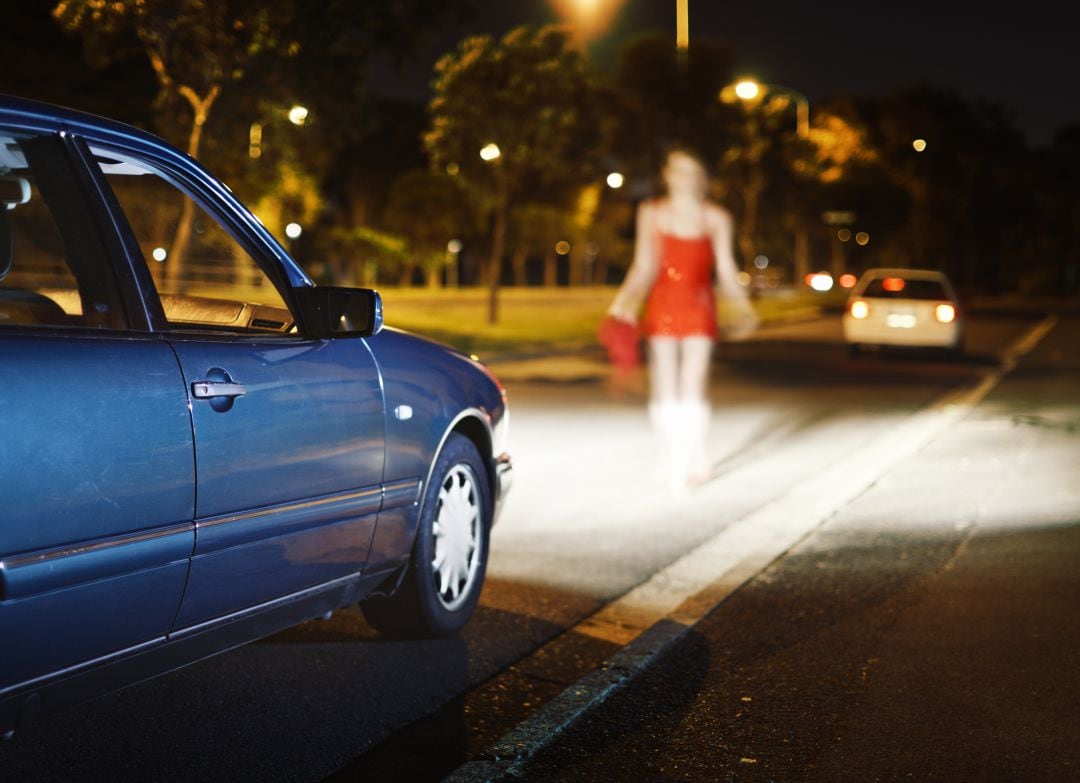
(903, 307)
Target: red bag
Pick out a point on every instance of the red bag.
(621, 339)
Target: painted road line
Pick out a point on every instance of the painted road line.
(651, 617)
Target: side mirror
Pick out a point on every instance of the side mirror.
(330, 312)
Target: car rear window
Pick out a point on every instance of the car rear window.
(902, 288)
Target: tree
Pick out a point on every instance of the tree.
(660, 99)
(273, 51)
(429, 209)
(535, 228)
(195, 47)
(533, 98)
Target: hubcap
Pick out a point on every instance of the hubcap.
(457, 531)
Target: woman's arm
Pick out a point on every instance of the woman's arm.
(737, 314)
(642, 272)
(723, 240)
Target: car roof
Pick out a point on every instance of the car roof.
(21, 110)
(910, 274)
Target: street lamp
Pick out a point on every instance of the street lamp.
(682, 25)
(615, 180)
(490, 152)
(747, 89)
(752, 89)
(298, 114)
(919, 145)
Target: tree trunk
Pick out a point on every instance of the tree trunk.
(802, 254)
(433, 271)
(517, 263)
(551, 269)
(498, 244)
(407, 269)
(200, 107)
(748, 224)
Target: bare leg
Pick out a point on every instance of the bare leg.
(693, 385)
(664, 405)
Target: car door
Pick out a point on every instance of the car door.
(289, 431)
(97, 482)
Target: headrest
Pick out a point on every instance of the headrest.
(13, 190)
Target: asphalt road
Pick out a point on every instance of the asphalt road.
(588, 519)
(927, 632)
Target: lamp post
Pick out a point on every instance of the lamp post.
(751, 89)
(682, 25)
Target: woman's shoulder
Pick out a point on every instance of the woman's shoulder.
(716, 215)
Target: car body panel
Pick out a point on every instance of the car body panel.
(430, 391)
(97, 525)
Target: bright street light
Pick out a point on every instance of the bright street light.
(160, 254)
(298, 114)
(747, 89)
(919, 144)
(615, 180)
(490, 151)
(453, 246)
(293, 231)
(751, 89)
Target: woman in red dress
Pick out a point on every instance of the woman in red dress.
(682, 258)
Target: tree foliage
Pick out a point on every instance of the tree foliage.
(531, 94)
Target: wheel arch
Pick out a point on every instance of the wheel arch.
(474, 425)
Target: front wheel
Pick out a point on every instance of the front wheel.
(446, 572)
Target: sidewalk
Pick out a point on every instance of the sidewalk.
(588, 362)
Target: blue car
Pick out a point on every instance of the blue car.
(200, 445)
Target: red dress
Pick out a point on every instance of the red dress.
(681, 302)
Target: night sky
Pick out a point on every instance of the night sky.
(1023, 55)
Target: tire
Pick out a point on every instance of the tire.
(454, 527)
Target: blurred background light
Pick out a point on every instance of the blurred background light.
(822, 281)
(298, 114)
(490, 151)
(747, 89)
(293, 230)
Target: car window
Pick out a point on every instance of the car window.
(903, 288)
(53, 269)
(206, 279)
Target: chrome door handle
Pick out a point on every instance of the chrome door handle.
(206, 390)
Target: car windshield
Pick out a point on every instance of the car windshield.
(903, 288)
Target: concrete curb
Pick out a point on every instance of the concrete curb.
(510, 755)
